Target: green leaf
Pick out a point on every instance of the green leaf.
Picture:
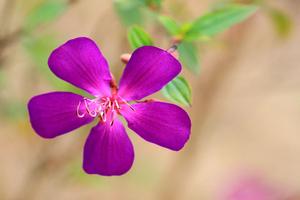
(188, 54)
(170, 25)
(129, 11)
(178, 91)
(137, 37)
(40, 48)
(282, 22)
(218, 21)
(46, 12)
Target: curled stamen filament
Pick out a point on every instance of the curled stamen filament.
(106, 108)
(80, 115)
(88, 103)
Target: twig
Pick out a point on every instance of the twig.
(7, 41)
(10, 38)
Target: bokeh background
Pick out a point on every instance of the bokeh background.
(245, 109)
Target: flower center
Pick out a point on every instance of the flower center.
(106, 108)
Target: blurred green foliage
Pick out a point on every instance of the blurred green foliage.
(218, 21)
(170, 25)
(129, 11)
(14, 110)
(137, 37)
(282, 22)
(202, 29)
(178, 91)
(75, 172)
(39, 47)
(188, 54)
(186, 35)
(45, 12)
(133, 12)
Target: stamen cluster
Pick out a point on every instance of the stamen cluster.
(106, 108)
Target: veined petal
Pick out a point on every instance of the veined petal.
(108, 150)
(147, 71)
(80, 62)
(160, 123)
(53, 114)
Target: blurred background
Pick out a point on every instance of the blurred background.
(245, 108)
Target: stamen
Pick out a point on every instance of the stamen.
(113, 117)
(80, 115)
(106, 108)
(117, 104)
(88, 102)
(124, 101)
(172, 49)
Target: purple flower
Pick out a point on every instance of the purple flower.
(108, 149)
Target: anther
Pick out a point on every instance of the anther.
(172, 49)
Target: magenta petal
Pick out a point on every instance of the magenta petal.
(148, 70)
(54, 113)
(80, 62)
(161, 123)
(108, 150)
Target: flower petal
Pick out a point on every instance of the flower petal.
(108, 150)
(147, 71)
(161, 123)
(55, 113)
(80, 62)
